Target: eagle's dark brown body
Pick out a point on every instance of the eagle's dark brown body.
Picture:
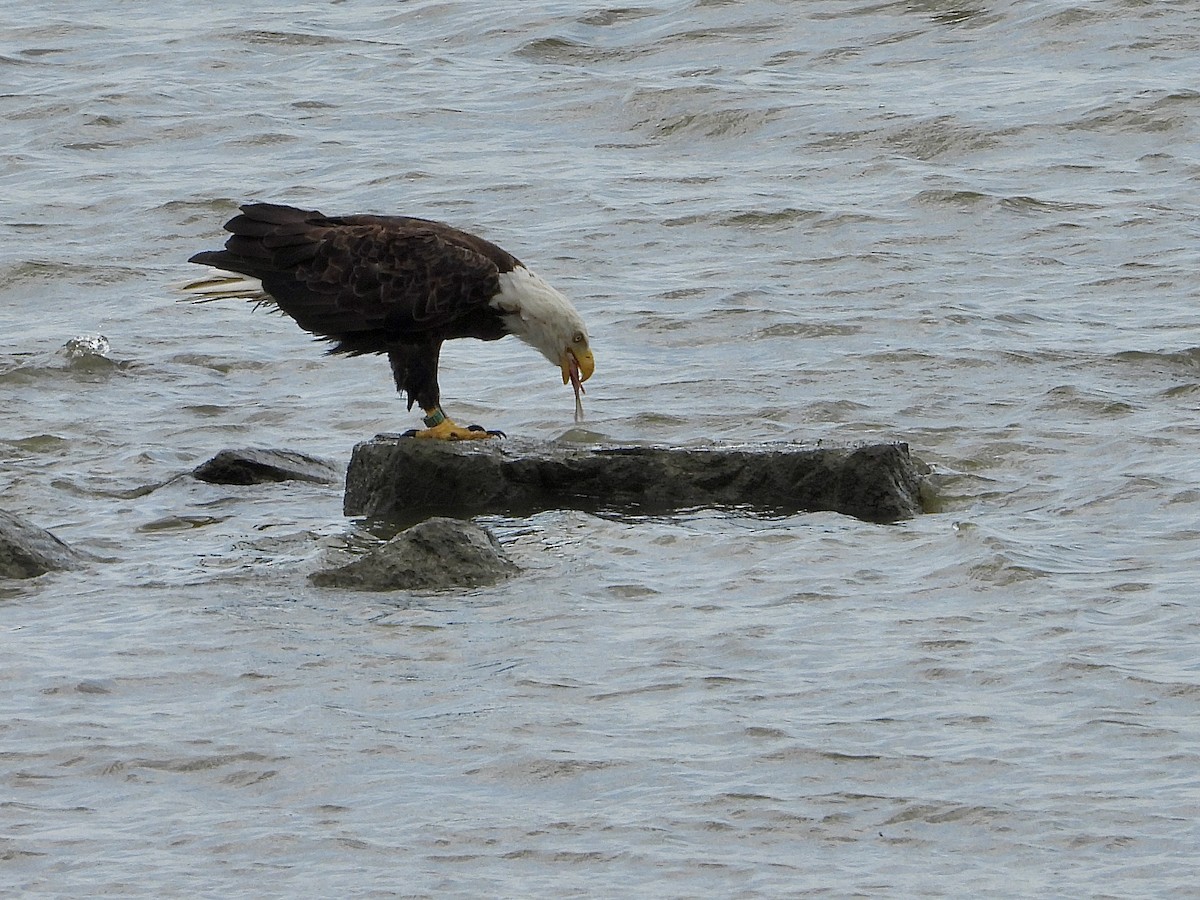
(372, 284)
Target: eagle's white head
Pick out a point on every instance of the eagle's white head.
(545, 319)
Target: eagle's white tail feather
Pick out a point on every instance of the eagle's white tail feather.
(223, 286)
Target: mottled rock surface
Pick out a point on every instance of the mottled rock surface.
(253, 466)
(27, 551)
(437, 554)
(404, 479)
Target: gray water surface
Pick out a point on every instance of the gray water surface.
(968, 226)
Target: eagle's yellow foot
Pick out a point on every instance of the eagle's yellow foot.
(440, 428)
(448, 431)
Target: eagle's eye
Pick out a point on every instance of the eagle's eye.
(578, 338)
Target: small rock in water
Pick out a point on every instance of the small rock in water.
(27, 551)
(437, 554)
(252, 466)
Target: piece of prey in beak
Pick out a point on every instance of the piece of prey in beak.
(577, 370)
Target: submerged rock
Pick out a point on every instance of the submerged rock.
(27, 551)
(437, 554)
(402, 478)
(253, 466)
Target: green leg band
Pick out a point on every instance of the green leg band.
(437, 417)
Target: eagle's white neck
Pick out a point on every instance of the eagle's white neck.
(537, 313)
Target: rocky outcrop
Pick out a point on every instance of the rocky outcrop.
(405, 479)
(252, 466)
(27, 551)
(437, 554)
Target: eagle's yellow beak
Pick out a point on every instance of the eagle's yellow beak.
(580, 364)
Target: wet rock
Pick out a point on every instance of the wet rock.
(27, 551)
(437, 554)
(253, 466)
(402, 478)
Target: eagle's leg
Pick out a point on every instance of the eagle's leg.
(414, 367)
(439, 427)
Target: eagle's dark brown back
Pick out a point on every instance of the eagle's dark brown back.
(368, 282)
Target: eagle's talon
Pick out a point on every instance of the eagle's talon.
(490, 432)
(412, 432)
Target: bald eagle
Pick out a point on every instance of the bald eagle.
(396, 285)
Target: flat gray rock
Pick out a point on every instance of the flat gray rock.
(402, 479)
(253, 466)
(27, 551)
(437, 554)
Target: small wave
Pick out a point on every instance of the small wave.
(1149, 112)
(567, 51)
(775, 218)
(293, 39)
(1187, 360)
(718, 123)
(699, 112)
(41, 270)
(1021, 203)
(962, 199)
(1067, 397)
(86, 346)
(85, 355)
(88, 353)
(619, 16)
(939, 137)
(38, 444)
(807, 330)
